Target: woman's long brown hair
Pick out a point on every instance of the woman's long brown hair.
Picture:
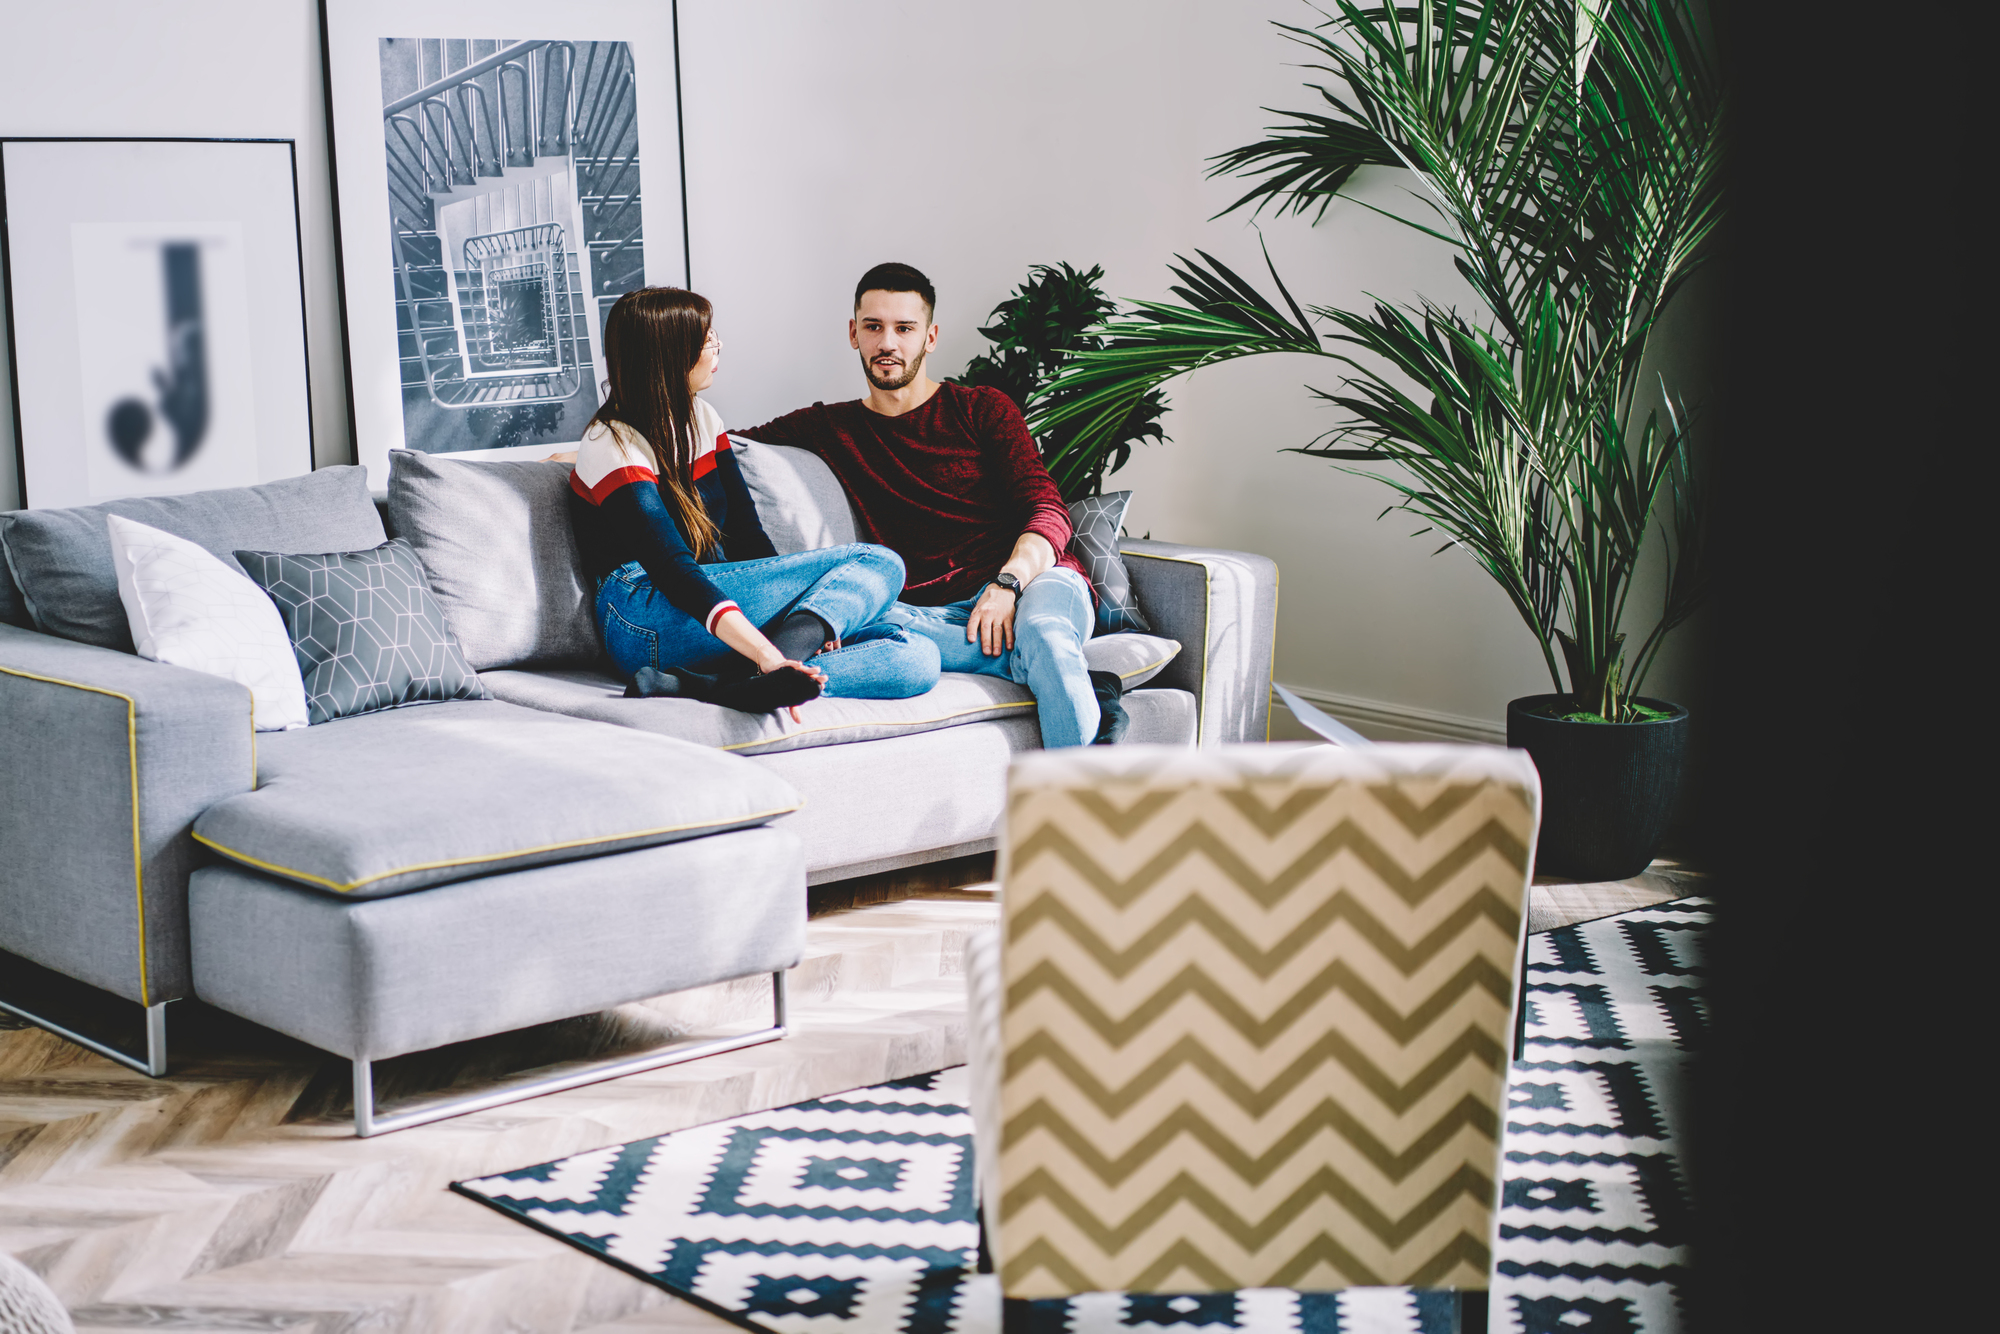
(652, 339)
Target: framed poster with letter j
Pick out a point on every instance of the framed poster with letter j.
(155, 315)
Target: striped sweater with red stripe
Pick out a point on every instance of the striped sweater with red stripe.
(620, 516)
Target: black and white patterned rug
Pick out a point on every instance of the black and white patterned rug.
(854, 1214)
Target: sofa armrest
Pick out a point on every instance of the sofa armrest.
(1223, 608)
(109, 759)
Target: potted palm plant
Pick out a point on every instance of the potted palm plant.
(1036, 332)
(1568, 152)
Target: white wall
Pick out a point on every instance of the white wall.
(972, 140)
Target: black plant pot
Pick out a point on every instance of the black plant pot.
(1607, 788)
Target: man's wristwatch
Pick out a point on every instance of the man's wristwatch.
(1010, 583)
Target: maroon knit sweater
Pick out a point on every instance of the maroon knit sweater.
(949, 486)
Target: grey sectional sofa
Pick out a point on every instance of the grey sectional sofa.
(396, 881)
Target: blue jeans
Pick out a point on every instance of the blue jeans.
(1053, 620)
(849, 587)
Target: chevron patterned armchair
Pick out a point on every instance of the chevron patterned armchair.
(1247, 1019)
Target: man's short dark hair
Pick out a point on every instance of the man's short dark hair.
(897, 278)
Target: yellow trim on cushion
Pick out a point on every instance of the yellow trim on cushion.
(339, 888)
(1150, 667)
(132, 755)
(1207, 619)
(913, 722)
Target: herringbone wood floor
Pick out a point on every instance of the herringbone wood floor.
(230, 1196)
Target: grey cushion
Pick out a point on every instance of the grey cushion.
(382, 977)
(13, 611)
(869, 808)
(957, 699)
(1137, 658)
(395, 801)
(1097, 521)
(365, 628)
(61, 558)
(799, 501)
(496, 544)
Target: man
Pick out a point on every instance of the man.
(949, 479)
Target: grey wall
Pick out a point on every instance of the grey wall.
(972, 140)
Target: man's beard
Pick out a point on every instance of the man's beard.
(909, 373)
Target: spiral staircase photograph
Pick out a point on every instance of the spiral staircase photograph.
(515, 218)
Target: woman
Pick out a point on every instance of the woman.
(692, 599)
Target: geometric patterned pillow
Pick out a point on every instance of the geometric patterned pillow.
(366, 628)
(1097, 520)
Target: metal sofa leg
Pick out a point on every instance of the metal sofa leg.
(367, 1123)
(153, 1063)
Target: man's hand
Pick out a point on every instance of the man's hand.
(991, 624)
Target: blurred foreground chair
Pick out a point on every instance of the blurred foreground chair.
(1247, 1019)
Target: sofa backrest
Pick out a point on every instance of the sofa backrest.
(13, 611)
(497, 547)
(799, 501)
(60, 559)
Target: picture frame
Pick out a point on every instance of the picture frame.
(493, 196)
(155, 304)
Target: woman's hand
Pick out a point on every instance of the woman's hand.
(815, 673)
(567, 456)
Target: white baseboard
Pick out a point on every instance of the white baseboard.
(1379, 720)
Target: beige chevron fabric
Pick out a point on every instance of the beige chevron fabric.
(1258, 1010)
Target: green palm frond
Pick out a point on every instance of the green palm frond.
(1569, 151)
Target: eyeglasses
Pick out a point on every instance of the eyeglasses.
(712, 344)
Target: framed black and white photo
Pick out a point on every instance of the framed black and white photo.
(155, 315)
(496, 194)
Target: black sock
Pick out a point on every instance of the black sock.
(1112, 720)
(799, 635)
(762, 693)
(756, 693)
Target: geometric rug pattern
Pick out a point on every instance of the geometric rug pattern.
(1595, 1214)
(855, 1214)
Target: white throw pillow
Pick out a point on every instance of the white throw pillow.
(189, 609)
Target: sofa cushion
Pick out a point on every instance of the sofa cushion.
(187, 608)
(1135, 657)
(365, 629)
(389, 802)
(829, 721)
(13, 611)
(1096, 522)
(958, 698)
(61, 558)
(495, 541)
(799, 501)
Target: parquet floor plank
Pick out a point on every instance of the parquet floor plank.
(232, 1196)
